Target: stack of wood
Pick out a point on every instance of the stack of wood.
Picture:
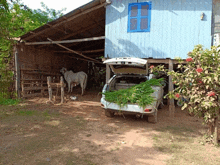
(34, 82)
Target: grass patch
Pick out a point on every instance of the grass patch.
(184, 143)
(17, 114)
(26, 113)
(4, 101)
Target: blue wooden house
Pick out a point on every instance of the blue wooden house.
(158, 28)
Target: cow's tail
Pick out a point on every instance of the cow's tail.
(85, 81)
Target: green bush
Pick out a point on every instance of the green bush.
(4, 101)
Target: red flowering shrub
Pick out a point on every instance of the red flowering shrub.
(177, 95)
(199, 70)
(151, 66)
(189, 59)
(198, 81)
(211, 94)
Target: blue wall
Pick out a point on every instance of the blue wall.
(175, 28)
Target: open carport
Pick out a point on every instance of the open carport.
(74, 41)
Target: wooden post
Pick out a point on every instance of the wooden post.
(22, 83)
(108, 71)
(42, 90)
(216, 131)
(62, 89)
(171, 87)
(18, 74)
(49, 89)
(146, 68)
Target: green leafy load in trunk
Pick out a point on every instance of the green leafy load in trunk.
(138, 94)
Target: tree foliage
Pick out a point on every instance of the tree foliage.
(16, 19)
(198, 84)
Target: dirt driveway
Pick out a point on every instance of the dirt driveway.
(78, 132)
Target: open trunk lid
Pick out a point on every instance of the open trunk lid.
(128, 65)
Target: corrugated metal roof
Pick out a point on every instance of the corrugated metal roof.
(60, 23)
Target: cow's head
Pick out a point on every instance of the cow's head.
(63, 70)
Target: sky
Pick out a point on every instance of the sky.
(57, 5)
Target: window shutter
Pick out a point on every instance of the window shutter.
(144, 9)
(139, 17)
(133, 18)
(145, 17)
(134, 11)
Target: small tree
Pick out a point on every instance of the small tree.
(198, 82)
(17, 19)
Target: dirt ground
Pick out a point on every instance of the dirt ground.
(78, 132)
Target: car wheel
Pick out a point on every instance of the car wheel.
(161, 105)
(109, 113)
(152, 119)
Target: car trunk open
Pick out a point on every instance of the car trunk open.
(128, 65)
(125, 81)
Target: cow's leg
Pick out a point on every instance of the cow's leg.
(84, 82)
(81, 84)
(71, 87)
(68, 87)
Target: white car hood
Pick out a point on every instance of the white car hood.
(128, 65)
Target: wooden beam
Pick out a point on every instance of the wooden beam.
(69, 19)
(80, 46)
(171, 87)
(91, 35)
(86, 51)
(78, 58)
(65, 41)
(75, 52)
(51, 26)
(79, 31)
(162, 61)
(31, 95)
(18, 73)
(90, 45)
(108, 73)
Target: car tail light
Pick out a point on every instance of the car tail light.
(147, 110)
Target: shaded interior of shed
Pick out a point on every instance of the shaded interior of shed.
(38, 61)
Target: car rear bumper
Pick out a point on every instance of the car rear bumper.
(130, 108)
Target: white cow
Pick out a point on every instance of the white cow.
(74, 79)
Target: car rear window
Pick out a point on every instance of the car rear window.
(131, 79)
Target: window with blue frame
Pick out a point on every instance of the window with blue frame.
(139, 17)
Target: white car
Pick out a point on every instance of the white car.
(128, 72)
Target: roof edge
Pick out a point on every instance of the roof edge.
(65, 17)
